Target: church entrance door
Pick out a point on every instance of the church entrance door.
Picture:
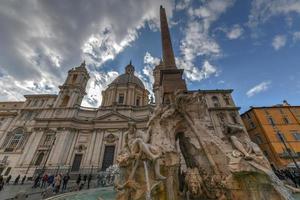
(108, 157)
(76, 163)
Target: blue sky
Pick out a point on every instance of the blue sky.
(251, 46)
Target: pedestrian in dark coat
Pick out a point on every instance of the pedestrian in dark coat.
(37, 181)
(89, 180)
(50, 180)
(8, 179)
(23, 179)
(78, 179)
(1, 182)
(66, 179)
(16, 182)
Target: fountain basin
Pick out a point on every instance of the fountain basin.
(104, 193)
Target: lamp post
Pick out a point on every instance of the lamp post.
(288, 150)
(44, 166)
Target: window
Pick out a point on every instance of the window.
(222, 117)
(137, 103)
(258, 139)
(285, 120)
(252, 125)
(280, 137)
(35, 102)
(121, 98)
(266, 111)
(14, 141)
(266, 153)
(271, 121)
(215, 101)
(226, 99)
(5, 158)
(65, 101)
(39, 159)
(42, 103)
(48, 140)
(74, 78)
(234, 118)
(296, 136)
(248, 116)
(7, 171)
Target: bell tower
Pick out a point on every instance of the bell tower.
(73, 90)
(167, 77)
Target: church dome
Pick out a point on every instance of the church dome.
(126, 90)
(128, 77)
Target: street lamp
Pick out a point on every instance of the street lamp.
(288, 150)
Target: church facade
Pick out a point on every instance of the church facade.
(54, 133)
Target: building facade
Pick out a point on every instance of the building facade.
(276, 129)
(53, 132)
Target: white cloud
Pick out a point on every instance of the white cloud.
(279, 41)
(97, 83)
(296, 36)
(261, 87)
(235, 32)
(263, 10)
(183, 4)
(194, 73)
(13, 89)
(197, 41)
(146, 75)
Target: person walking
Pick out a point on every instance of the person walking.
(44, 180)
(57, 182)
(84, 178)
(8, 179)
(23, 179)
(1, 182)
(36, 181)
(89, 180)
(50, 180)
(16, 182)
(78, 179)
(66, 179)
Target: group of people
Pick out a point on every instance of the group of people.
(52, 182)
(289, 174)
(8, 179)
(80, 182)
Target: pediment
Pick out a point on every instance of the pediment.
(114, 117)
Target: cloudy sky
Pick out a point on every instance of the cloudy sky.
(251, 46)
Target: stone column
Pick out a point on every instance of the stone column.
(97, 149)
(31, 147)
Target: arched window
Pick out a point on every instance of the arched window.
(215, 101)
(39, 159)
(65, 101)
(74, 78)
(121, 98)
(234, 118)
(14, 141)
(226, 99)
(138, 101)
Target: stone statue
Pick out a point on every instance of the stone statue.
(137, 148)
